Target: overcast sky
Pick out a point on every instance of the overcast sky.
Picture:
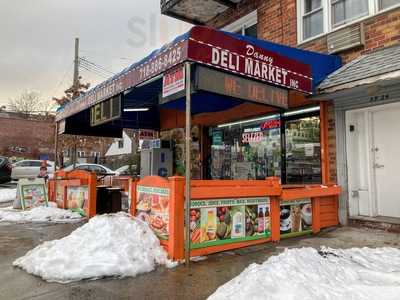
(37, 40)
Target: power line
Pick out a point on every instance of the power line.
(107, 55)
(86, 68)
(84, 60)
(91, 68)
(93, 71)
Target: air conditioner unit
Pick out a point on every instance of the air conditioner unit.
(346, 38)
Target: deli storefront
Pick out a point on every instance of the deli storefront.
(236, 110)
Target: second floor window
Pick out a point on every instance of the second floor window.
(317, 17)
(344, 11)
(313, 19)
(246, 25)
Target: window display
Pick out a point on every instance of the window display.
(252, 149)
(303, 150)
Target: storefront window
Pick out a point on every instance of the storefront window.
(303, 150)
(253, 149)
(250, 150)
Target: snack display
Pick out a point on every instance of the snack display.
(222, 224)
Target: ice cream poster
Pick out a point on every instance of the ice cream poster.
(295, 216)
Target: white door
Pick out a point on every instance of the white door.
(359, 163)
(386, 164)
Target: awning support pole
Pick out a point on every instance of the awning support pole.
(188, 138)
(56, 147)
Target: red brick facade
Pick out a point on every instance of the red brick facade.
(26, 138)
(277, 22)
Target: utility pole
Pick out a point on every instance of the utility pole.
(75, 91)
(75, 83)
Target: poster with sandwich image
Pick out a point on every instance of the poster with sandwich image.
(222, 221)
(153, 207)
(295, 217)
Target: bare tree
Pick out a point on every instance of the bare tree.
(29, 102)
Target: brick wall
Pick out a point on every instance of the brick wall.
(26, 138)
(277, 22)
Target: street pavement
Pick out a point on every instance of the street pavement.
(197, 282)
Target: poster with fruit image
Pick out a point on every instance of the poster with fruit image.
(222, 221)
(153, 208)
(295, 217)
(77, 198)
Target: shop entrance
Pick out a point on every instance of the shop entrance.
(373, 161)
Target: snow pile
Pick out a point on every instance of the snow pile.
(358, 273)
(108, 245)
(8, 195)
(38, 215)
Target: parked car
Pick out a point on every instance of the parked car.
(127, 170)
(98, 169)
(30, 169)
(104, 174)
(5, 169)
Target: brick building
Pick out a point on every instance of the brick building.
(26, 137)
(362, 95)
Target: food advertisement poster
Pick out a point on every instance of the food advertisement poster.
(295, 217)
(32, 193)
(153, 208)
(223, 221)
(78, 198)
(60, 194)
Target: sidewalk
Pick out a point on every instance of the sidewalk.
(198, 282)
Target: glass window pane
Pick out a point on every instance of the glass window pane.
(35, 163)
(313, 24)
(303, 151)
(344, 11)
(251, 31)
(387, 3)
(310, 5)
(246, 151)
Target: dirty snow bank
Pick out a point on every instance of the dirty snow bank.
(358, 273)
(8, 195)
(38, 214)
(108, 245)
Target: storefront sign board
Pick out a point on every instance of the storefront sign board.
(173, 81)
(222, 51)
(147, 134)
(239, 87)
(153, 207)
(223, 221)
(171, 56)
(295, 217)
(32, 193)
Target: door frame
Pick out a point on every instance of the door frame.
(368, 147)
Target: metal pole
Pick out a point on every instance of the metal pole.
(56, 148)
(188, 138)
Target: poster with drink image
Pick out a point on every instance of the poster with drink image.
(296, 216)
(213, 223)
